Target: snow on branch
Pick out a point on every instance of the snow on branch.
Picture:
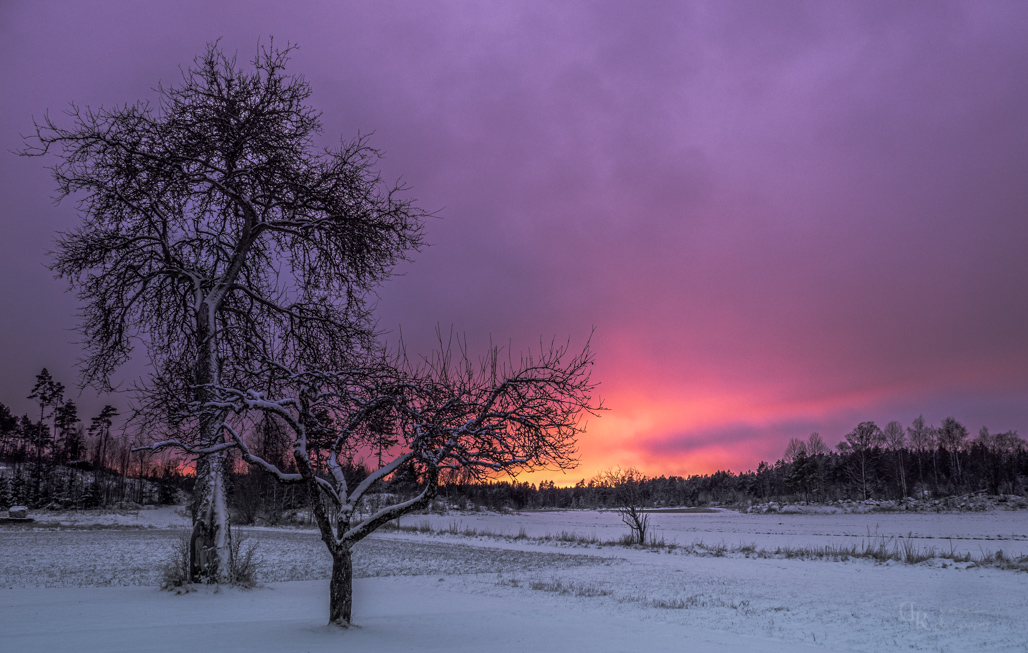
(442, 414)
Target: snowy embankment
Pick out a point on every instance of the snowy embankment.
(451, 593)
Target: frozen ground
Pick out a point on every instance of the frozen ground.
(81, 558)
(976, 533)
(449, 593)
(153, 517)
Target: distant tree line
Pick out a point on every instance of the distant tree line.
(55, 458)
(919, 461)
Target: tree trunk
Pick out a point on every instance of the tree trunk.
(209, 552)
(935, 471)
(901, 473)
(920, 472)
(209, 544)
(341, 588)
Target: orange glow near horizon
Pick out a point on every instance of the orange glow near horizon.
(663, 435)
(620, 437)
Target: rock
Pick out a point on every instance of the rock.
(18, 512)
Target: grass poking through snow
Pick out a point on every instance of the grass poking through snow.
(879, 549)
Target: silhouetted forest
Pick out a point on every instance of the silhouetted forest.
(55, 458)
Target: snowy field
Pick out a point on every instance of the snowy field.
(84, 588)
(976, 533)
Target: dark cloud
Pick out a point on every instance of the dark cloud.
(808, 209)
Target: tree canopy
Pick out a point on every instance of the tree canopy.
(214, 231)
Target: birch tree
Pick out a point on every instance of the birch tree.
(209, 221)
(446, 415)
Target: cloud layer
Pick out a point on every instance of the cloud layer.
(779, 217)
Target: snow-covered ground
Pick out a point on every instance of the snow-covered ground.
(149, 517)
(976, 533)
(453, 593)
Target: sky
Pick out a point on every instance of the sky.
(773, 218)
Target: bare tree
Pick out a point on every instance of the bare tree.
(793, 449)
(443, 415)
(209, 223)
(626, 486)
(921, 440)
(816, 446)
(861, 443)
(1008, 447)
(896, 440)
(816, 451)
(951, 438)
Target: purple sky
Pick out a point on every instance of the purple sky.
(779, 217)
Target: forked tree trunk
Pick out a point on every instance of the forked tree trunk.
(341, 588)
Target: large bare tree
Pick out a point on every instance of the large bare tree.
(214, 231)
(445, 414)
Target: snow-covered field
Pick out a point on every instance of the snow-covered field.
(419, 592)
(976, 533)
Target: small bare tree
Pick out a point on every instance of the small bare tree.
(626, 486)
(443, 415)
(215, 233)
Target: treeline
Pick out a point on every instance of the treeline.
(53, 458)
(919, 461)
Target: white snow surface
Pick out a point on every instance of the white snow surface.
(451, 593)
(149, 517)
(976, 533)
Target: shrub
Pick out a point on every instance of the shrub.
(175, 574)
(244, 564)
